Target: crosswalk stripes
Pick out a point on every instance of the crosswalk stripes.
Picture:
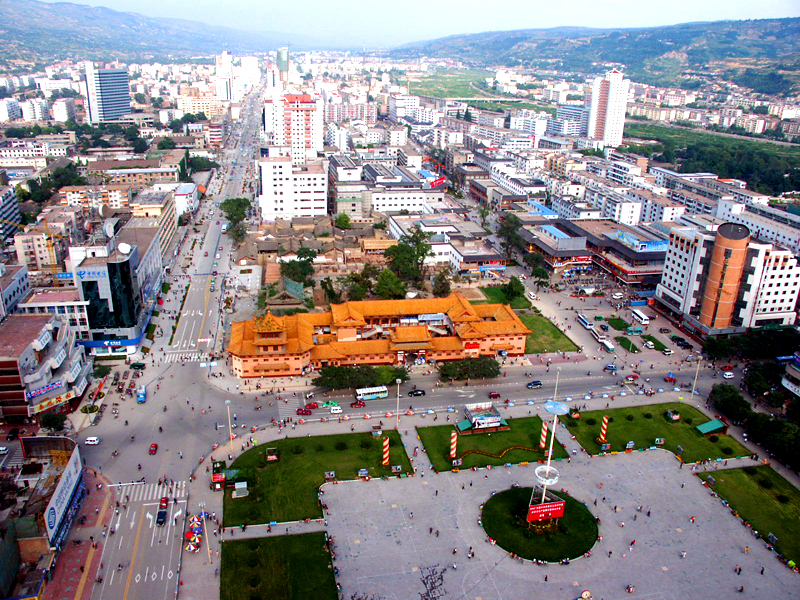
(176, 357)
(288, 409)
(15, 460)
(154, 491)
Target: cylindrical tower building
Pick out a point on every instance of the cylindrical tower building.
(724, 275)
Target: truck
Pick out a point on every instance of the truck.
(141, 395)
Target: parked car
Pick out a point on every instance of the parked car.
(303, 411)
(727, 375)
(312, 405)
(137, 366)
(153, 448)
(617, 296)
(494, 395)
(668, 351)
(604, 327)
(416, 393)
(664, 330)
(358, 404)
(534, 385)
(205, 253)
(649, 344)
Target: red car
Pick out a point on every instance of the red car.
(217, 222)
(669, 379)
(494, 395)
(220, 248)
(164, 502)
(303, 411)
(358, 404)
(312, 405)
(153, 448)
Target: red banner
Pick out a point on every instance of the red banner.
(218, 477)
(548, 510)
(438, 181)
(472, 345)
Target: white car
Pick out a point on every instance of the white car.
(92, 441)
(727, 375)
(668, 351)
(649, 344)
(336, 410)
(3, 451)
(531, 295)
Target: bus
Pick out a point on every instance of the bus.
(224, 228)
(600, 336)
(634, 331)
(607, 346)
(587, 324)
(372, 393)
(640, 317)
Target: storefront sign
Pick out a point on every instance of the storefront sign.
(60, 499)
(43, 390)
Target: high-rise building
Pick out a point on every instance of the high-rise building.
(607, 100)
(282, 60)
(64, 110)
(9, 110)
(719, 279)
(35, 109)
(289, 191)
(108, 93)
(295, 121)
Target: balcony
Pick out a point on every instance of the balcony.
(58, 358)
(791, 386)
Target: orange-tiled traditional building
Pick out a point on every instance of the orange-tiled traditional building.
(374, 332)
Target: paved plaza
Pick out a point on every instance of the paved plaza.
(383, 552)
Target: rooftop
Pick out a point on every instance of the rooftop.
(17, 331)
(52, 296)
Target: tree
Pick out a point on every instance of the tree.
(468, 115)
(157, 102)
(235, 209)
(727, 399)
(483, 367)
(101, 371)
(513, 289)
(540, 276)
(388, 375)
(300, 271)
(131, 133)
(139, 146)
(356, 291)
(331, 294)
(53, 421)
(176, 125)
(533, 259)
(343, 221)
(441, 283)
(389, 287)
(166, 143)
(139, 98)
(483, 214)
(361, 376)
(403, 262)
(509, 233)
(237, 232)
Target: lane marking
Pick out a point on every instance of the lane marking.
(133, 556)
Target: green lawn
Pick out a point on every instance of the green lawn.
(546, 337)
(496, 296)
(502, 519)
(643, 431)
(524, 432)
(658, 344)
(626, 343)
(286, 489)
(618, 324)
(278, 568)
(765, 500)
(452, 83)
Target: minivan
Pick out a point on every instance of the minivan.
(336, 410)
(92, 441)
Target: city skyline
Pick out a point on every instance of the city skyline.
(337, 24)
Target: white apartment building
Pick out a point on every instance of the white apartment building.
(35, 109)
(568, 208)
(64, 110)
(614, 205)
(187, 198)
(761, 281)
(397, 136)
(94, 196)
(288, 190)
(401, 106)
(444, 138)
(530, 121)
(395, 199)
(9, 213)
(207, 105)
(10, 149)
(9, 110)
(762, 223)
(607, 100)
(48, 86)
(295, 122)
(656, 208)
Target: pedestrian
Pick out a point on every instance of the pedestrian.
(747, 549)
(691, 519)
(430, 530)
(411, 515)
(762, 570)
(82, 570)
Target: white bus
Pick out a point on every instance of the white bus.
(600, 336)
(587, 324)
(372, 393)
(640, 316)
(607, 346)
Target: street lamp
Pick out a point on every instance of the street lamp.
(230, 433)
(397, 410)
(696, 373)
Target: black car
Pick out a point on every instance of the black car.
(161, 517)
(664, 330)
(12, 434)
(534, 385)
(416, 393)
(604, 327)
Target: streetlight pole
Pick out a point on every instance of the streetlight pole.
(397, 409)
(696, 373)
(552, 433)
(230, 433)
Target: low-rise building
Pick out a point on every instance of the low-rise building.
(374, 332)
(65, 301)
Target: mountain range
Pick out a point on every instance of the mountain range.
(650, 55)
(44, 32)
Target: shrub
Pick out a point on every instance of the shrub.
(648, 415)
(727, 451)
(297, 449)
(366, 444)
(320, 448)
(610, 419)
(783, 498)
(591, 421)
(713, 439)
(341, 446)
(765, 483)
(629, 417)
(688, 420)
(750, 470)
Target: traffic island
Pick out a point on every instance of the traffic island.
(505, 519)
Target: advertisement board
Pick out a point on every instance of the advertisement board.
(548, 510)
(60, 500)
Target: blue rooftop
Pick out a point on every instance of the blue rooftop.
(554, 231)
(540, 209)
(427, 174)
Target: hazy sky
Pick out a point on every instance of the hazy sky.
(376, 23)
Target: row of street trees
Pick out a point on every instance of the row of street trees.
(362, 376)
(235, 210)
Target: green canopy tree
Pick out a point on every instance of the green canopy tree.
(389, 287)
(509, 233)
(343, 221)
(441, 283)
(513, 289)
(51, 420)
(235, 209)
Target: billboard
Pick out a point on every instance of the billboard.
(548, 510)
(60, 500)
